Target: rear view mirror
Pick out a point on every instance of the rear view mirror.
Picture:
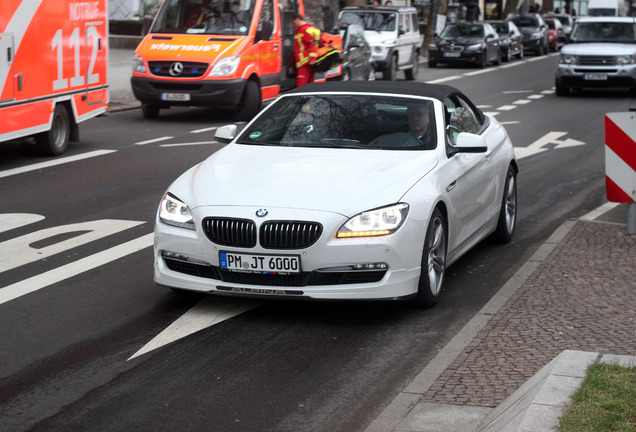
(470, 143)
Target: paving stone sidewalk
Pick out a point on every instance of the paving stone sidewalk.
(582, 297)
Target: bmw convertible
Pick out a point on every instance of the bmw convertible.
(341, 191)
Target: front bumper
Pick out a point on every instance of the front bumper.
(532, 44)
(464, 57)
(602, 76)
(187, 259)
(212, 93)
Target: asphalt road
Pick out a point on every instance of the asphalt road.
(78, 310)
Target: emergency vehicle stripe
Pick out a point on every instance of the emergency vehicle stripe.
(18, 25)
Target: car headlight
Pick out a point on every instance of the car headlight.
(374, 223)
(474, 48)
(569, 59)
(226, 66)
(175, 212)
(138, 65)
(625, 60)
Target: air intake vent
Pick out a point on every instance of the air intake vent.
(289, 234)
(230, 232)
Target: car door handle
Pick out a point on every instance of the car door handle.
(451, 186)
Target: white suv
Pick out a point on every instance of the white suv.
(394, 36)
(601, 53)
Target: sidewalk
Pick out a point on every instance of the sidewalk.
(578, 292)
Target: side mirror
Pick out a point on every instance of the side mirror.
(470, 143)
(264, 32)
(225, 134)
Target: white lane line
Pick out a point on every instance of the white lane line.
(441, 80)
(153, 140)
(516, 91)
(188, 144)
(509, 65)
(58, 161)
(208, 312)
(522, 102)
(506, 107)
(9, 221)
(210, 129)
(479, 72)
(59, 274)
(510, 122)
(492, 113)
(535, 96)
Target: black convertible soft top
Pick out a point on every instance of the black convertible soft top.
(435, 91)
(412, 88)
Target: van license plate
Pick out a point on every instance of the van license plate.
(175, 96)
(259, 263)
(595, 77)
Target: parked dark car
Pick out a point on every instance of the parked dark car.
(511, 44)
(556, 37)
(474, 42)
(357, 63)
(566, 21)
(534, 30)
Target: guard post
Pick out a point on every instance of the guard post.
(620, 162)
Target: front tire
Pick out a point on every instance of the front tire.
(251, 102)
(507, 221)
(411, 74)
(150, 111)
(391, 71)
(55, 141)
(433, 262)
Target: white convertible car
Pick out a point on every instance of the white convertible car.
(334, 191)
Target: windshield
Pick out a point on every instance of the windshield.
(604, 32)
(462, 30)
(221, 17)
(378, 21)
(500, 28)
(345, 121)
(525, 21)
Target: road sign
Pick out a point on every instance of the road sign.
(620, 162)
(620, 156)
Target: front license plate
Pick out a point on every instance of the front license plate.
(259, 263)
(175, 97)
(595, 77)
(452, 54)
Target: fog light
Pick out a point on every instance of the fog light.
(181, 257)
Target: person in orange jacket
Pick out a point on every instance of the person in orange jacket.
(306, 39)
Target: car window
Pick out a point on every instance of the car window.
(526, 21)
(415, 22)
(378, 21)
(603, 32)
(349, 121)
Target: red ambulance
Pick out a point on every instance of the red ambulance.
(53, 69)
(227, 54)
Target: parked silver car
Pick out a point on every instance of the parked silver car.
(601, 53)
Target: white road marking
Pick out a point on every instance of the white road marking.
(522, 102)
(517, 91)
(549, 138)
(507, 107)
(188, 144)
(9, 221)
(441, 80)
(479, 72)
(599, 211)
(535, 96)
(208, 312)
(510, 122)
(153, 140)
(512, 64)
(58, 161)
(59, 274)
(210, 129)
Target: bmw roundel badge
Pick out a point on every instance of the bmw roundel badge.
(261, 212)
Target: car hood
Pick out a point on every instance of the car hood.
(344, 181)
(529, 30)
(461, 41)
(604, 49)
(378, 38)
